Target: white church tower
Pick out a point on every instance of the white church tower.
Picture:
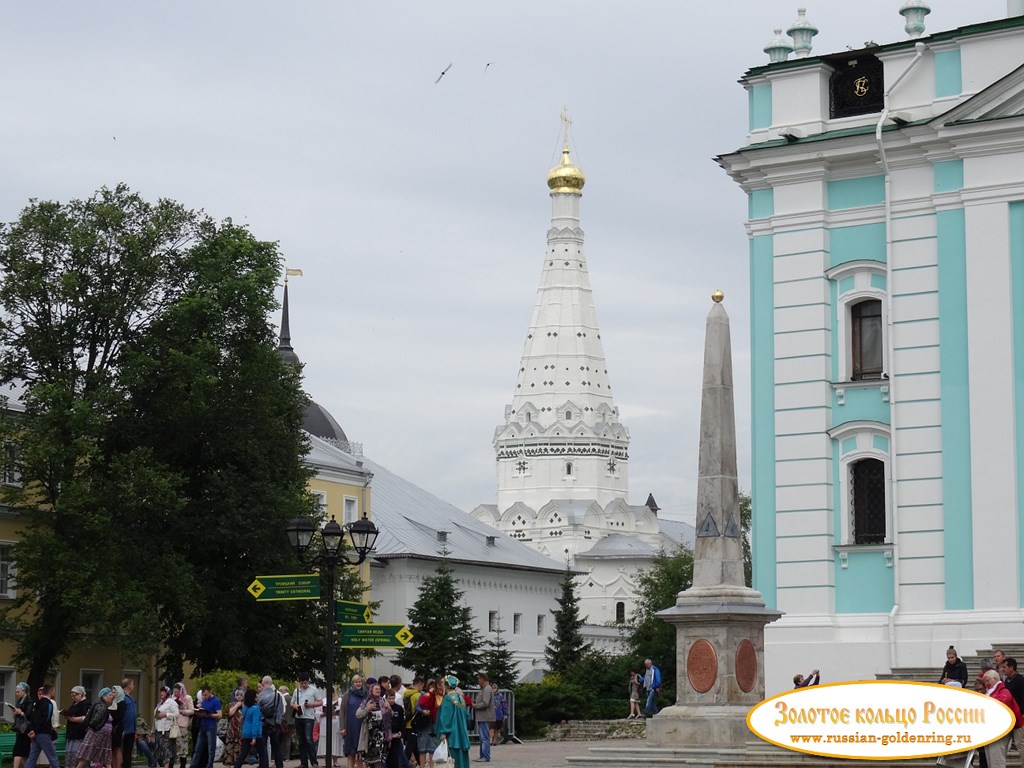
(562, 438)
(562, 453)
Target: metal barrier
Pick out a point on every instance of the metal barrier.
(508, 724)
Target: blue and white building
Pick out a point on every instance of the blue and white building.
(886, 225)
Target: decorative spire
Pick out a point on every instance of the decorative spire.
(914, 12)
(778, 48)
(566, 178)
(802, 31)
(284, 347)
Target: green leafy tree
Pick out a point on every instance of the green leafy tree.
(444, 638)
(499, 661)
(566, 645)
(647, 636)
(157, 419)
(745, 523)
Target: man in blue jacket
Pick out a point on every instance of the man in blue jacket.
(652, 684)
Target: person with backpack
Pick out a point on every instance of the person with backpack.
(96, 744)
(40, 729)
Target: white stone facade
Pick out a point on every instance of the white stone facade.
(925, 219)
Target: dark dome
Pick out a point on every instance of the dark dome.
(318, 421)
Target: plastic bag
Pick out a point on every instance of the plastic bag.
(441, 753)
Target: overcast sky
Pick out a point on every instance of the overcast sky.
(418, 211)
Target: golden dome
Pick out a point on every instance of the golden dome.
(717, 297)
(566, 178)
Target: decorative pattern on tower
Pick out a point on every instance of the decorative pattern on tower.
(562, 437)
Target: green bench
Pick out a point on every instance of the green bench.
(7, 747)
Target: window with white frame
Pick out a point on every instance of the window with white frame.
(7, 691)
(351, 509)
(321, 503)
(517, 623)
(10, 464)
(8, 571)
(620, 612)
(540, 624)
(860, 319)
(492, 621)
(92, 681)
(863, 452)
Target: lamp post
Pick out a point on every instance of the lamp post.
(326, 554)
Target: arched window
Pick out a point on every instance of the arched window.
(568, 415)
(620, 612)
(568, 469)
(866, 340)
(867, 501)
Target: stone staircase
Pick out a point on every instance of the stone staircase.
(753, 754)
(596, 730)
(973, 662)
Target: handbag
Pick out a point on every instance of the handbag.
(441, 753)
(175, 731)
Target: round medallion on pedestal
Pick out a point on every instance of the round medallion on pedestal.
(746, 666)
(702, 666)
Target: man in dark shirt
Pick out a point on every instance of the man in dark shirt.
(75, 715)
(40, 725)
(1015, 685)
(208, 713)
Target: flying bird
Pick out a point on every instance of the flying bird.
(443, 72)
(487, 65)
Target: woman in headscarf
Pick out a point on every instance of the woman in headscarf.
(349, 724)
(185, 711)
(165, 717)
(21, 711)
(96, 746)
(452, 722)
(321, 745)
(117, 728)
(234, 733)
(375, 735)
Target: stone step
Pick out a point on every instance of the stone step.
(589, 730)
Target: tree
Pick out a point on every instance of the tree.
(157, 418)
(499, 662)
(566, 644)
(745, 523)
(444, 638)
(647, 636)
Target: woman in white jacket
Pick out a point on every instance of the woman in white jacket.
(165, 718)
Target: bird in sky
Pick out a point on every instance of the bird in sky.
(443, 73)
(487, 65)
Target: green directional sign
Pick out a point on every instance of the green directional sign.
(373, 635)
(301, 586)
(348, 612)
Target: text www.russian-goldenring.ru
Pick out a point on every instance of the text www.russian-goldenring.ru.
(885, 740)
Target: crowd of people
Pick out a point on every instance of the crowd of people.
(375, 723)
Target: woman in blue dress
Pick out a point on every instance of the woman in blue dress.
(350, 724)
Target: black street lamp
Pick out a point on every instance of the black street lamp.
(326, 554)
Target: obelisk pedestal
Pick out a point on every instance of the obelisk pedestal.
(719, 621)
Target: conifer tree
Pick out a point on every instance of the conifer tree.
(566, 645)
(499, 662)
(444, 638)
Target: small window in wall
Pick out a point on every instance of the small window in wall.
(620, 612)
(866, 340)
(568, 469)
(321, 502)
(92, 681)
(10, 471)
(867, 501)
(492, 621)
(540, 624)
(7, 691)
(351, 509)
(568, 415)
(517, 623)
(8, 571)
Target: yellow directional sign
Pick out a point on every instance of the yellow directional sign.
(301, 586)
(373, 635)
